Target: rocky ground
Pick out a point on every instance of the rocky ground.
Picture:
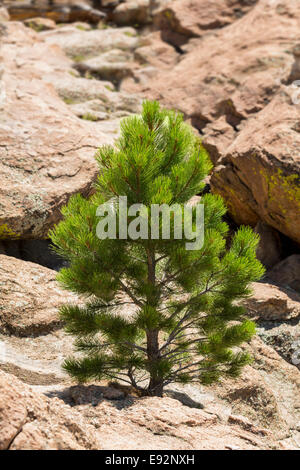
(68, 74)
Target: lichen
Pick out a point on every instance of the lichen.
(7, 233)
(89, 117)
(290, 185)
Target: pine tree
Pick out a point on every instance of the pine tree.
(186, 319)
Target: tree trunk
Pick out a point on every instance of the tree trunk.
(155, 387)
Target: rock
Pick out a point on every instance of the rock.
(154, 51)
(31, 421)
(111, 393)
(66, 12)
(154, 55)
(246, 82)
(29, 303)
(96, 95)
(109, 3)
(260, 180)
(94, 394)
(46, 152)
(284, 338)
(37, 360)
(246, 424)
(287, 272)
(160, 423)
(218, 135)
(183, 19)
(267, 393)
(242, 74)
(40, 24)
(85, 44)
(93, 110)
(4, 15)
(86, 395)
(269, 248)
(269, 302)
(113, 65)
(132, 12)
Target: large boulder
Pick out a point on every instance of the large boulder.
(46, 152)
(29, 303)
(84, 44)
(40, 24)
(132, 12)
(270, 302)
(31, 421)
(181, 20)
(233, 71)
(259, 178)
(233, 84)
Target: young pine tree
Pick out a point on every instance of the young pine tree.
(185, 323)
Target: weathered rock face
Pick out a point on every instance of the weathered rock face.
(113, 65)
(31, 421)
(155, 52)
(155, 423)
(29, 302)
(266, 393)
(224, 78)
(234, 71)
(46, 151)
(259, 179)
(230, 67)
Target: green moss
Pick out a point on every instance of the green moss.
(288, 185)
